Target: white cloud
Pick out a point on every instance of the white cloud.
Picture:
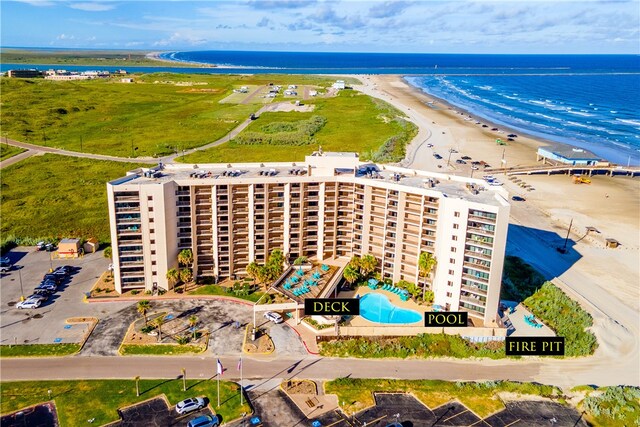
(65, 37)
(92, 7)
(37, 2)
(178, 38)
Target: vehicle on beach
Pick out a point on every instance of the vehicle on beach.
(189, 405)
(518, 199)
(465, 158)
(461, 162)
(429, 145)
(437, 156)
(273, 316)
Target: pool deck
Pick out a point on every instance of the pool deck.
(360, 321)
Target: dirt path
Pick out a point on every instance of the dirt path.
(252, 95)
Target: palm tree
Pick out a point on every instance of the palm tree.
(426, 264)
(355, 262)
(143, 307)
(368, 264)
(253, 270)
(193, 321)
(173, 275)
(158, 322)
(275, 263)
(350, 274)
(185, 257)
(186, 275)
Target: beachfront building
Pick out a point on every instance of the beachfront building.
(328, 207)
(562, 153)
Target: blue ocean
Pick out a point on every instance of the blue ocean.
(592, 101)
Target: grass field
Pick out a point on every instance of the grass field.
(219, 290)
(128, 120)
(79, 401)
(354, 123)
(481, 398)
(53, 196)
(39, 350)
(160, 349)
(122, 58)
(7, 151)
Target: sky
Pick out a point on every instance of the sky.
(460, 26)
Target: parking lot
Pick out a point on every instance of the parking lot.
(47, 324)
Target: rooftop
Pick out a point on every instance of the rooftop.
(321, 165)
(570, 152)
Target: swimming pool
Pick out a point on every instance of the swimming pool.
(377, 308)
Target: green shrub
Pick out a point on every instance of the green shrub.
(418, 346)
(619, 406)
(565, 317)
(519, 279)
(284, 133)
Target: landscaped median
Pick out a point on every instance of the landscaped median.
(482, 398)
(79, 401)
(39, 350)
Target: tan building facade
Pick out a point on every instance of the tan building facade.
(332, 205)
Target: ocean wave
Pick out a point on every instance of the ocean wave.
(579, 113)
(485, 87)
(555, 119)
(631, 122)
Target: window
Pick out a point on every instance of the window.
(153, 242)
(150, 208)
(456, 214)
(456, 226)
(453, 249)
(152, 230)
(449, 283)
(449, 294)
(451, 272)
(153, 263)
(452, 261)
(151, 220)
(454, 238)
(149, 198)
(153, 252)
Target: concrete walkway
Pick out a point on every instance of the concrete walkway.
(17, 158)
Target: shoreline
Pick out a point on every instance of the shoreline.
(156, 56)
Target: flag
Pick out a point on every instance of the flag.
(240, 364)
(219, 371)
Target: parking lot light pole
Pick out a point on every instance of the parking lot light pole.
(50, 262)
(21, 290)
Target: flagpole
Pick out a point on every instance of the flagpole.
(241, 381)
(218, 390)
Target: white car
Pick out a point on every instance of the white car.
(190, 405)
(31, 302)
(273, 316)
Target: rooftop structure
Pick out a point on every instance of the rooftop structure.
(567, 154)
(329, 206)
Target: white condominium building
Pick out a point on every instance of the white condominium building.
(329, 206)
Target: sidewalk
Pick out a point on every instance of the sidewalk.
(308, 337)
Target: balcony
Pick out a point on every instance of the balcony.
(205, 222)
(474, 301)
(474, 289)
(126, 274)
(205, 242)
(204, 254)
(482, 218)
(183, 203)
(125, 209)
(184, 234)
(481, 230)
(475, 278)
(480, 255)
(477, 265)
(182, 193)
(121, 199)
(472, 313)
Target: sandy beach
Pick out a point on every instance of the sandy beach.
(606, 282)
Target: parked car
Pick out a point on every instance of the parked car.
(5, 259)
(518, 199)
(42, 297)
(429, 145)
(465, 158)
(204, 421)
(461, 162)
(5, 267)
(57, 278)
(31, 302)
(66, 269)
(44, 292)
(49, 286)
(437, 156)
(189, 405)
(273, 316)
